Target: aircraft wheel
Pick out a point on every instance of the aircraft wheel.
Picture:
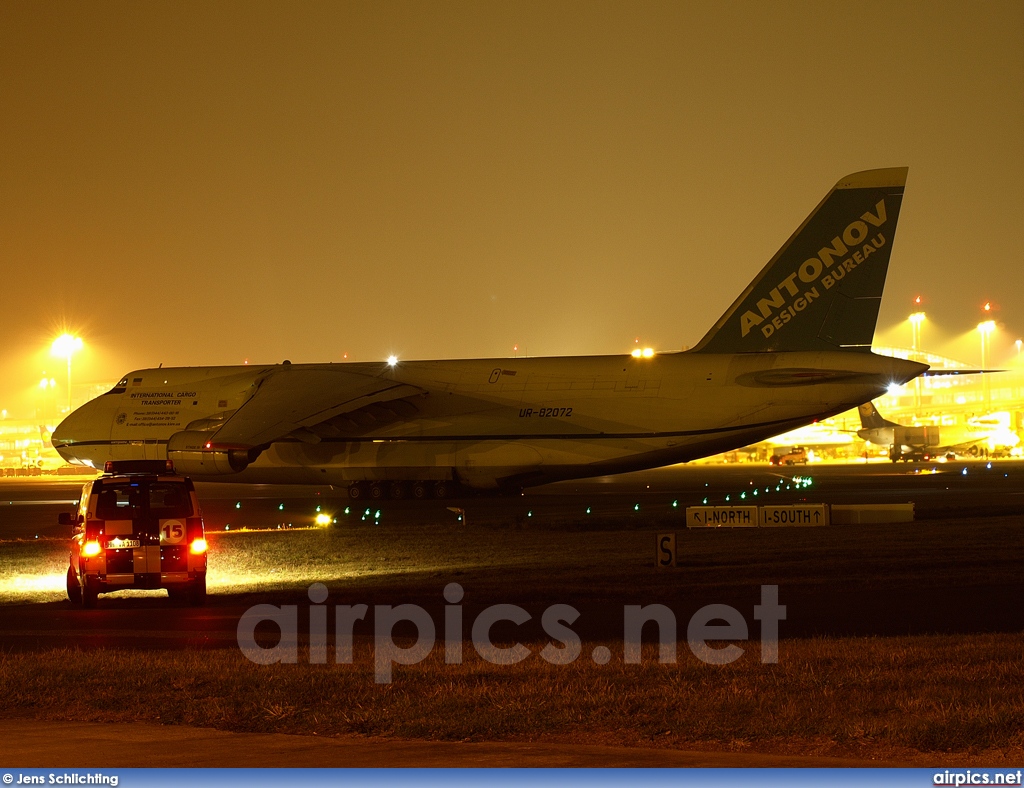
(397, 491)
(377, 491)
(442, 490)
(355, 492)
(74, 589)
(420, 491)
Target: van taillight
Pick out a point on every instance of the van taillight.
(198, 546)
(194, 528)
(91, 548)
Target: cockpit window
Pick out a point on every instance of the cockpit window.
(120, 387)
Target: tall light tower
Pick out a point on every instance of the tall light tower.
(46, 385)
(986, 329)
(65, 346)
(916, 320)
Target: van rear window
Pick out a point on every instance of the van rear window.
(125, 501)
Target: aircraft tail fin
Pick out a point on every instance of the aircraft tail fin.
(822, 289)
(871, 419)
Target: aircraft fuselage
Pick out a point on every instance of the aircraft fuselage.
(485, 423)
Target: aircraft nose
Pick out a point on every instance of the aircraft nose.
(84, 431)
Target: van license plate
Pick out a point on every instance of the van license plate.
(117, 544)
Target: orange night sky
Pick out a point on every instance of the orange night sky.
(203, 183)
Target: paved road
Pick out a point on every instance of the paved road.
(29, 743)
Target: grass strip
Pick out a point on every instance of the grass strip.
(869, 697)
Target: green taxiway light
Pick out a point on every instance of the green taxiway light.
(238, 504)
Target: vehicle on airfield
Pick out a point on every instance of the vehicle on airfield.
(137, 526)
(797, 455)
(793, 348)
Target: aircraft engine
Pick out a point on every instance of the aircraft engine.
(192, 456)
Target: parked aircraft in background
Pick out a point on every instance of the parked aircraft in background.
(991, 434)
(793, 348)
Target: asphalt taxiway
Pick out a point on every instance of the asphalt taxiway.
(941, 490)
(957, 568)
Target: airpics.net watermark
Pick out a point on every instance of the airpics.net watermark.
(556, 621)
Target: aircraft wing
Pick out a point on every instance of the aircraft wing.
(289, 400)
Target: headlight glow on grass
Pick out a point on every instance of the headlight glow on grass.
(28, 585)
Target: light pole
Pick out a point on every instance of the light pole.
(986, 329)
(46, 385)
(65, 346)
(916, 320)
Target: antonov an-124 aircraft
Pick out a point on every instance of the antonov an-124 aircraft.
(793, 348)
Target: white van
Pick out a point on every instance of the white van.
(137, 526)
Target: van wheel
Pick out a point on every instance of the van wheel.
(74, 589)
(89, 595)
(197, 593)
